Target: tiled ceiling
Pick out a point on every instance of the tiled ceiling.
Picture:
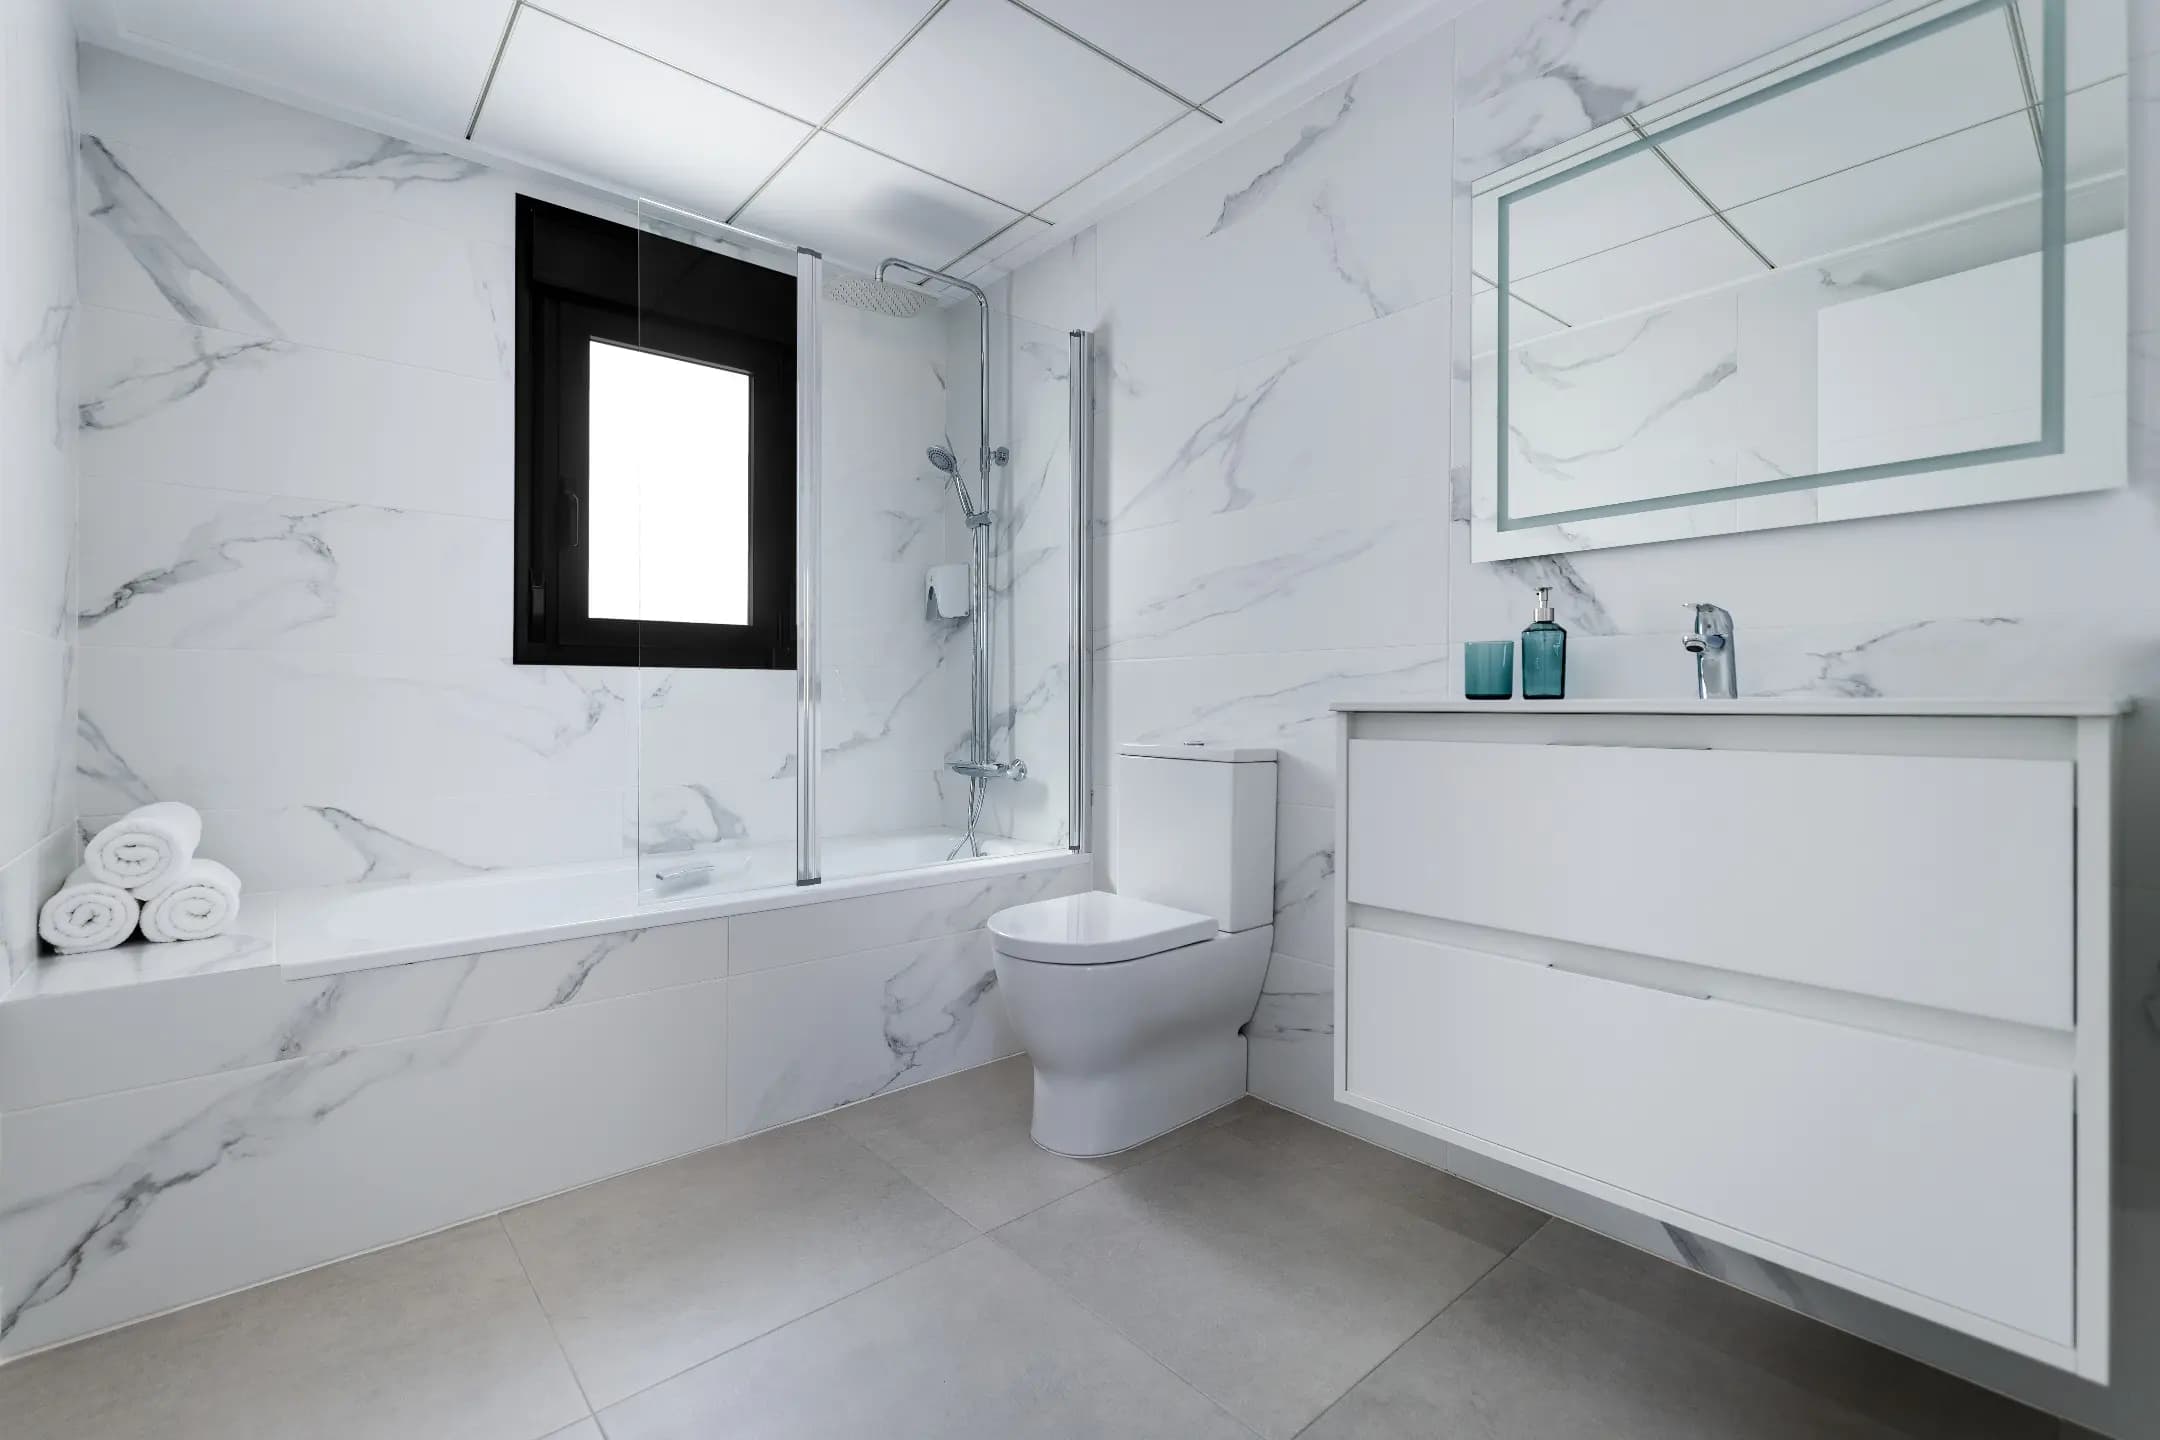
(950, 131)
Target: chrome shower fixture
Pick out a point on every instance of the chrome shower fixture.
(945, 460)
(900, 302)
(982, 765)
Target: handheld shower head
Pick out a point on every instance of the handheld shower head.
(944, 460)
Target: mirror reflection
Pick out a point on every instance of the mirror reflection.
(1866, 276)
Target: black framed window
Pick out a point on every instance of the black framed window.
(655, 450)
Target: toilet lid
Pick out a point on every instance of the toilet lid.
(1097, 928)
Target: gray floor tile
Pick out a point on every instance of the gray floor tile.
(1263, 1262)
(1525, 1354)
(1313, 1149)
(970, 1346)
(586, 1429)
(1915, 1399)
(440, 1336)
(965, 1140)
(650, 1273)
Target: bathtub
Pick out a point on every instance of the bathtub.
(337, 929)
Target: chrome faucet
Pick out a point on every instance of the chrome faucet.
(1712, 646)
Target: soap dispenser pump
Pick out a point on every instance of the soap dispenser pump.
(1544, 653)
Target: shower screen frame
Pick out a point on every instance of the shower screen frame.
(809, 487)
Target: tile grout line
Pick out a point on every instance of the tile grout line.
(502, 1225)
(497, 378)
(792, 1320)
(1483, 1276)
(1105, 1321)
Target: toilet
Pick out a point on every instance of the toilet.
(1132, 1005)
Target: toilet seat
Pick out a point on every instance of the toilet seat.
(1095, 928)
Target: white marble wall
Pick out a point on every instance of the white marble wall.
(203, 1124)
(38, 337)
(295, 598)
(1287, 329)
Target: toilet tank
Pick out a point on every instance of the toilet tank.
(1196, 829)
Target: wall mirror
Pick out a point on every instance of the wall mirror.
(1879, 271)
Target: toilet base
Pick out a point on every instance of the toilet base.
(1124, 1052)
(1088, 1116)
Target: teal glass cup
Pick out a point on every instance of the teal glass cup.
(1488, 670)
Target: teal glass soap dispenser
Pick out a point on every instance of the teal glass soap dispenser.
(1544, 653)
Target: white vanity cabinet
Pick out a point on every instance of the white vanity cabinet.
(1824, 981)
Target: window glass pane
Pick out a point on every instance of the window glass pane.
(669, 483)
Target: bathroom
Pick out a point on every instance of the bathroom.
(703, 1015)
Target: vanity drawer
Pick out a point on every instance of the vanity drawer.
(1941, 1171)
(1944, 881)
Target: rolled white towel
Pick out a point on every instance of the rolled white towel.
(143, 850)
(88, 914)
(201, 901)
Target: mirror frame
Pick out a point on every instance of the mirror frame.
(1687, 511)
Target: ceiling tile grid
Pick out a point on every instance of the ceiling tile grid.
(953, 131)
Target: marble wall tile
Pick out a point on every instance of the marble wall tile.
(227, 729)
(416, 832)
(1033, 492)
(178, 566)
(62, 1044)
(1363, 566)
(895, 710)
(1278, 699)
(25, 882)
(167, 239)
(715, 758)
(193, 725)
(1290, 1057)
(1055, 291)
(39, 308)
(163, 399)
(1349, 406)
(204, 131)
(1031, 699)
(768, 939)
(125, 1204)
(36, 783)
(1321, 220)
(1305, 882)
(808, 1038)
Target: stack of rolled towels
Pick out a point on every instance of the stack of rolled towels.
(142, 870)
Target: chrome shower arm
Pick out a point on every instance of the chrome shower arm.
(982, 351)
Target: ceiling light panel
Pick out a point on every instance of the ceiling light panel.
(994, 99)
(858, 206)
(801, 56)
(568, 100)
(1196, 47)
(420, 64)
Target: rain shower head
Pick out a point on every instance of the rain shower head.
(901, 302)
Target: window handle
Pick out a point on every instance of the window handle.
(570, 501)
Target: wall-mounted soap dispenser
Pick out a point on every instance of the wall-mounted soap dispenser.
(1544, 653)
